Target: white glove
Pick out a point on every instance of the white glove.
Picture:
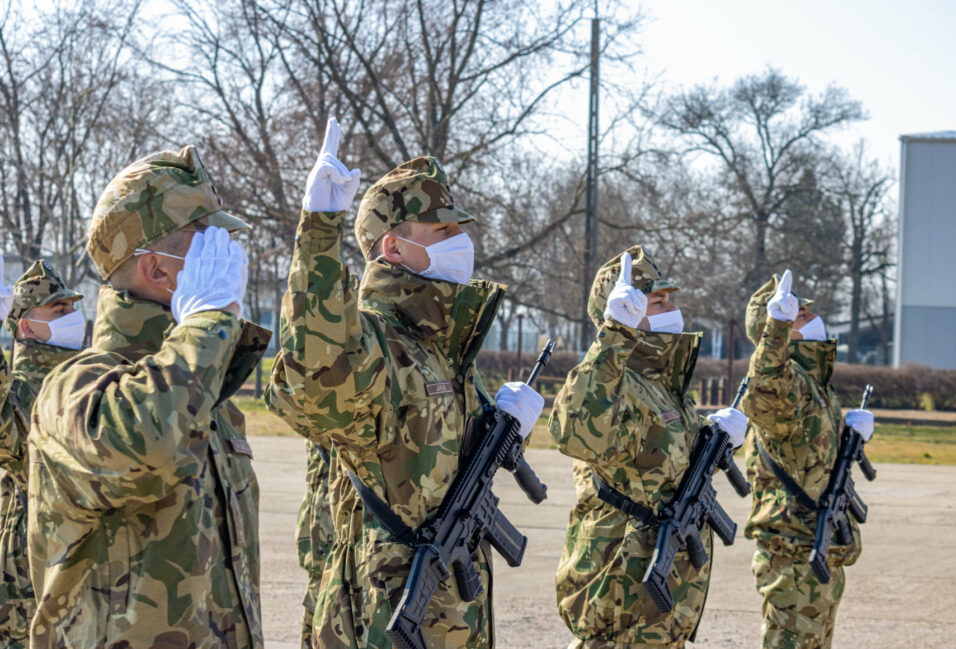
(6, 295)
(733, 422)
(862, 422)
(213, 275)
(784, 305)
(331, 186)
(626, 304)
(521, 402)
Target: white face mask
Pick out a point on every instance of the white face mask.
(452, 260)
(66, 331)
(814, 330)
(669, 322)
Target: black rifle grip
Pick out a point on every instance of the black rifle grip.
(469, 583)
(528, 481)
(737, 479)
(868, 471)
(696, 550)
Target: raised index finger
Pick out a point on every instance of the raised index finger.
(625, 277)
(330, 144)
(786, 282)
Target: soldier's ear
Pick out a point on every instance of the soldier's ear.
(156, 271)
(390, 251)
(25, 330)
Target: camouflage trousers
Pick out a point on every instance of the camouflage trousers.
(798, 611)
(17, 603)
(308, 606)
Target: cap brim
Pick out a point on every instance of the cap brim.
(223, 220)
(445, 215)
(805, 301)
(64, 294)
(660, 285)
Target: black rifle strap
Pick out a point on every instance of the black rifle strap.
(616, 499)
(389, 519)
(788, 483)
(323, 454)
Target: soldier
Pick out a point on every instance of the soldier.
(143, 504)
(625, 417)
(47, 330)
(796, 418)
(387, 373)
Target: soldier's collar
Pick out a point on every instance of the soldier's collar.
(34, 360)
(456, 316)
(668, 357)
(816, 357)
(129, 326)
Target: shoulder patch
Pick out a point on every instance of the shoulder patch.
(439, 387)
(240, 446)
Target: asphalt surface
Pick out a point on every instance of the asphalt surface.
(900, 594)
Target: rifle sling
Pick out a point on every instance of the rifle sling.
(391, 521)
(616, 499)
(788, 483)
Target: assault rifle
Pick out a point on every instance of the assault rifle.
(468, 514)
(695, 504)
(840, 496)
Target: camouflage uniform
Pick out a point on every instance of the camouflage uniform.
(795, 412)
(143, 517)
(624, 414)
(314, 530)
(387, 374)
(32, 360)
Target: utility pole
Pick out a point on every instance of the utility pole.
(591, 196)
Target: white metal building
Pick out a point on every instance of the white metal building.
(925, 329)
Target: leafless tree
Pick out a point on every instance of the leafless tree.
(71, 110)
(859, 187)
(762, 133)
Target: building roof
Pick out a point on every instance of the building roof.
(937, 135)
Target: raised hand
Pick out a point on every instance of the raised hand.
(626, 304)
(213, 276)
(784, 305)
(331, 186)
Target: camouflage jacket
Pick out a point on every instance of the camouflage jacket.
(796, 414)
(624, 414)
(143, 518)
(388, 376)
(32, 362)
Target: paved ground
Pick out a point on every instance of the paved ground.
(901, 593)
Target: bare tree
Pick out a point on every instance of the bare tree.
(762, 133)
(859, 186)
(67, 96)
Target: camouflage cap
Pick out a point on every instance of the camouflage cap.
(149, 199)
(645, 276)
(415, 191)
(39, 286)
(757, 308)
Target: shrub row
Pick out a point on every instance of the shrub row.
(906, 387)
